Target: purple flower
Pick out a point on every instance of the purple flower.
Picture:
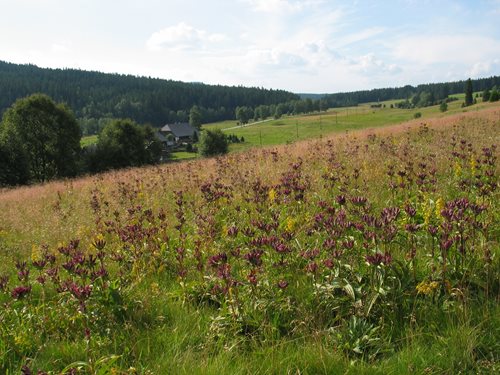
(41, 279)
(379, 258)
(328, 263)
(341, 199)
(312, 267)
(359, 201)
(232, 231)
(216, 260)
(254, 257)
(281, 248)
(39, 264)
(410, 210)
(81, 293)
(224, 271)
(20, 291)
(252, 277)
(282, 284)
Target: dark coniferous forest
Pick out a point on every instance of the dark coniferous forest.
(438, 91)
(94, 95)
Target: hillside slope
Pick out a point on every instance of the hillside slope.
(145, 100)
(370, 252)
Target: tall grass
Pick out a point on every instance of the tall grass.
(368, 252)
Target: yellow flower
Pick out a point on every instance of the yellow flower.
(427, 287)
(472, 164)
(290, 224)
(271, 195)
(434, 285)
(36, 253)
(439, 207)
(427, 209)
(457, 169)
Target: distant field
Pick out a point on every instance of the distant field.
(88, 140)
(336, 120)
(183, 155)
(292, 128)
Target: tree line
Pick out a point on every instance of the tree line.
(95, 97)
(430, 92)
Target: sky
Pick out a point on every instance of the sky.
(304, 46)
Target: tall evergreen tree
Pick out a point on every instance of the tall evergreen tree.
(486, 95)
(468, 93)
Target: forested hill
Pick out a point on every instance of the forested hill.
(146, 100)
(438, 91)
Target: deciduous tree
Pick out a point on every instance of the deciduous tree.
(195, 117)
(213, 142)
(45, 135)
(123, 143)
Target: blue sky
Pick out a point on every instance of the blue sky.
(298, 45)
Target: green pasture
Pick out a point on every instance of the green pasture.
(88, 140)
(336, 120)
(182, 155)
(293, 128)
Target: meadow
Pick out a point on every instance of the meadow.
(290, 129)
(367, 251)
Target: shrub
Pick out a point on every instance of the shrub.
(213, 142)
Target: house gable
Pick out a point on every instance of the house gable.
(179, 130)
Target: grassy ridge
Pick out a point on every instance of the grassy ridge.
(294, 128)
(369, 252)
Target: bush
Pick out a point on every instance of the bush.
(417, 115)
(123, 143)
(213, 142)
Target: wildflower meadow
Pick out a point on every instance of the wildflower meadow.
(366, 252)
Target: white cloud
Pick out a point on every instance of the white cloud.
(431, 49)
(370, 64)
(181, 37)
(273, 6)
(360, 36)
(484, 68)
(61, 47)
(274, 59)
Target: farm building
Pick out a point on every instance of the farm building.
(182, 132)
